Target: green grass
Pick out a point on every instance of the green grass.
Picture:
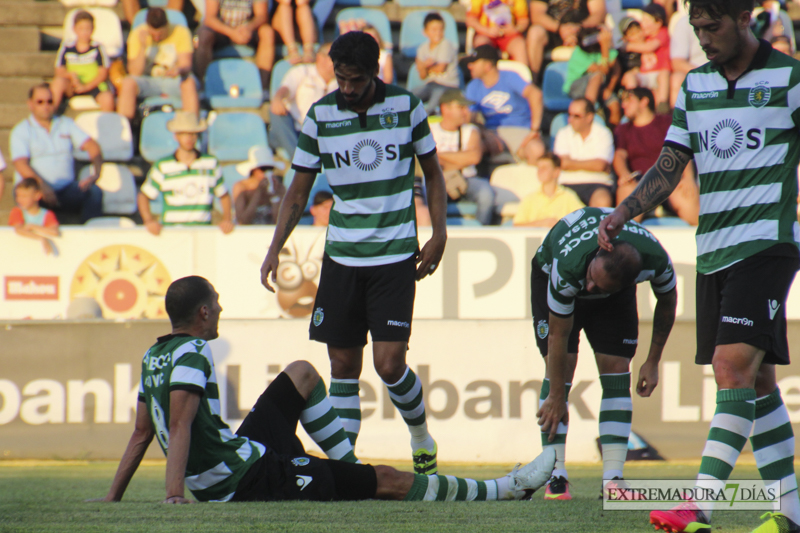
(49, 497)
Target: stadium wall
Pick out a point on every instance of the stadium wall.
(68, 389)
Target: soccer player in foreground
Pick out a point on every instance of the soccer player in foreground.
(365, 136)
(576, 286)
(264, 460)
(738, 116)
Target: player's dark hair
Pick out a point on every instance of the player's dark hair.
(184, 297)
(430, 17)
(644, 92)
(322, 196)
(550, 156)
(43, 85)
(356, 49)
(29, 183)
(716, 9)
(83, 15)
(624, 263)
(588, 106)
(156, 18)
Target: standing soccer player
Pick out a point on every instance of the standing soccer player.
(365, 135)
(738, 116)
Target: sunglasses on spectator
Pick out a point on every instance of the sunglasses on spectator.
(40, 102)
(575, 115)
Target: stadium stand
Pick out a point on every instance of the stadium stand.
(552, 87)
(107, 29)
(517, 179)
(411, 36)
(230, 135)
(119, 188)
(226, 73)
(173, 17)
(515, 66)
(375, 17)
(111, 131)
(155, 142)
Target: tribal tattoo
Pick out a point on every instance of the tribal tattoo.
(658, 182)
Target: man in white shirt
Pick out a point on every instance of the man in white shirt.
(458, 144)
(302, 85)
(586, 149)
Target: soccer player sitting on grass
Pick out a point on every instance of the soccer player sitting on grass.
(264, 460)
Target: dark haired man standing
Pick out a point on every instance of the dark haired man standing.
(738, 117)
(365, 136)
(576, 286)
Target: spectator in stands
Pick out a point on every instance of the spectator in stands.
(638, 143)
(159, 62)
(509, 105)
(301, 86)
(586, 149)
(82, 66)
(593, 71)
(654, 72)
(437, 63)
(321, 208)
(458, 145)
(385, 60)
(131, 7)
(552, 202)
(782, 44)
(42, 147)
(236, 22)
(29, 219)
(287, 12)
(187, 181)
(501, 24)
(685, 54)
(557, 22)
(257, 198)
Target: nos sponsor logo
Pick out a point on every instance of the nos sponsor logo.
(367, 155)
(31, 287)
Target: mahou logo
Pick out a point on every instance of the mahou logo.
(31, 287)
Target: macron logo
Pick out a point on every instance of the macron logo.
(738, 321)
(398, 324)
(630, 341)
(303, 481)
(773, 308)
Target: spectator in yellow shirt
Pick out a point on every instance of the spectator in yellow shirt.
(552, 202)
(501, 24)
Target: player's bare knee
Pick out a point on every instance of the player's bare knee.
(303, 375)
(766, 381)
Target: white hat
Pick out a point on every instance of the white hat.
(186, 122)
(257, 157)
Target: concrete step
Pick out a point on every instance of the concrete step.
(22, 13)
(22, 39)
(41, 64)
(10, 114)
(15, 89)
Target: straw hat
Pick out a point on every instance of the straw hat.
(257, 157)
(186, 122)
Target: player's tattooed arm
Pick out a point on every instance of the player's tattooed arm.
(657, 183)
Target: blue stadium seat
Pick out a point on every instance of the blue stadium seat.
(157, 3)
(232, 134)
(320, 184)
(234, 51)
(357, 3)
(552, 85)
(413, 79)
(155, 142)
(673, 222)
(173, 17)
(375, 17)
(231, 177)
(462, 209)
(424, 3)
(158, 102)
(222, 74)
(411, 35)
(634, 4)
(279, 70)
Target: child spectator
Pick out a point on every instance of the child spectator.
(29, 219)
(436, 63)
(631, 32)
(501, 24)
(552, 202)
(655, 69)
(82, 66)
(283, 22)
(385, 61)
(593, 72)
(258, 197)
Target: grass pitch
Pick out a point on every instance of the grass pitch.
(49, 497)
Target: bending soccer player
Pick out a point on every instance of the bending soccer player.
(264, 460)
(576, 286)
(738, 117)
(364, 136)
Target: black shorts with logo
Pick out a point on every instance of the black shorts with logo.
(746, 303)
(611, 324)
(286, 471)
(353, 300)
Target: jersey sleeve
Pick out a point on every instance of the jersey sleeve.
(183, 40)
(306, 155)
(793, 97)
(421, 137)
(561, 291)
(475, 8)
(678, 134)
(152, 185)
(665, 280)
(50, 220)
(191, 367)
(219, 185)
(520, 10)
(20, 141)
(16, 217)
(60, 60)
(102, 57)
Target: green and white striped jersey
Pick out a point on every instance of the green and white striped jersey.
(571, 245)
(187, 192)
(217, 457)
(744, 138)
(368, 159)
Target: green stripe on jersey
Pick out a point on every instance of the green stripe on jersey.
(370, 168)
(746, 146)
(217, 458)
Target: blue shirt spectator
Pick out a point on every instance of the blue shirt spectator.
(503, 103)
